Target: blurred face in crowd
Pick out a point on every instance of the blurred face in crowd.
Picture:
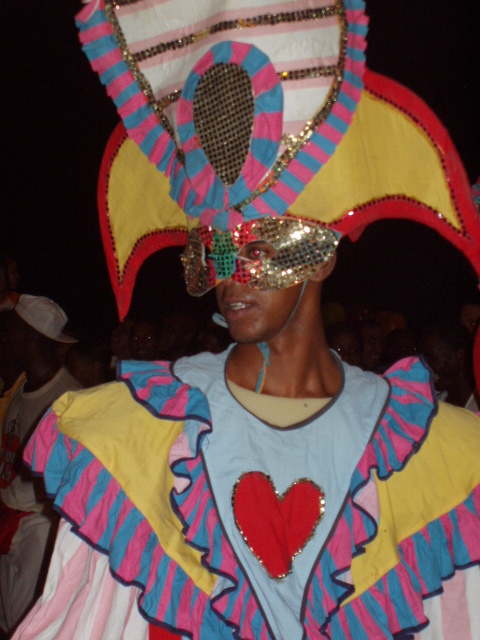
(372, 339)
(442, 360)
(13, 273)
(120, 339)
(469, 316)
(346, 344)
(143, 341)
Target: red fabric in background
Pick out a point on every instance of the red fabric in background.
(9, 520)
(159, 633)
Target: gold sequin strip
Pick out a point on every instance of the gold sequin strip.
(313, 72)
(294, 144)
(269, 19)
(223, 112)
(138, 75)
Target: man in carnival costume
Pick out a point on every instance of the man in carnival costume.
(270, 491)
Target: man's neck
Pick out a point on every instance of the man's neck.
(302, 369)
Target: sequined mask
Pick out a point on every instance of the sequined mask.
(270, 253)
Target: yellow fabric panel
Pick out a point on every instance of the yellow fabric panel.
(435, 480)
(383, 153)
(138, 195)
(133, 446)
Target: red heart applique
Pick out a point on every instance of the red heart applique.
(276, 528)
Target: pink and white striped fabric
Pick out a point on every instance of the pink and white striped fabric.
(453, 614)
(289, 46)
(82, 600)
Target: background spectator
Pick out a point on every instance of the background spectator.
(27, 522)
(89, 362)
(447, 349)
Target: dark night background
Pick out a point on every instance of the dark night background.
(57, 119)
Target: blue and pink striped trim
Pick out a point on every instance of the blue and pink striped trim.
(104, 53)
(101, 47)
(266, 130)
(100, 512)
(321, 146)
(156, 388)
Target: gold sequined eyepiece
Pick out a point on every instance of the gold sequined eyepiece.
(223, 110)
(300, 247)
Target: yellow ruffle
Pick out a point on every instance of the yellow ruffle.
(133, 445)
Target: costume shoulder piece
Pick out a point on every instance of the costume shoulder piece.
(97, 488)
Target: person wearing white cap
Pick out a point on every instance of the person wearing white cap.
(27, 524)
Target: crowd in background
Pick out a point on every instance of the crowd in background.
(375, 341)
(361, 336)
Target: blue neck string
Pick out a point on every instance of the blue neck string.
(265, 351)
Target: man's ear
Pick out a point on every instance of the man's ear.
(324, 270)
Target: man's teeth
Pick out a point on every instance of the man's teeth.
(236, 306)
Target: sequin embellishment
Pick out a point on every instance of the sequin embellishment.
(223, 109)
(299, 248)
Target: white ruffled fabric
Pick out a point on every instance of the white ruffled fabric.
(81, 599)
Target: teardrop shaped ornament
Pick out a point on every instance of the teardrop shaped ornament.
(229, 119)
(223, 110)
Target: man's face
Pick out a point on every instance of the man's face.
(143, 341)
(255, 316)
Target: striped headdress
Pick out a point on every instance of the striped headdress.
(233, 111)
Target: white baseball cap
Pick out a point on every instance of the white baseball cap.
(45, 316)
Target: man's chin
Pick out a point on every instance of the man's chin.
(244, 335)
